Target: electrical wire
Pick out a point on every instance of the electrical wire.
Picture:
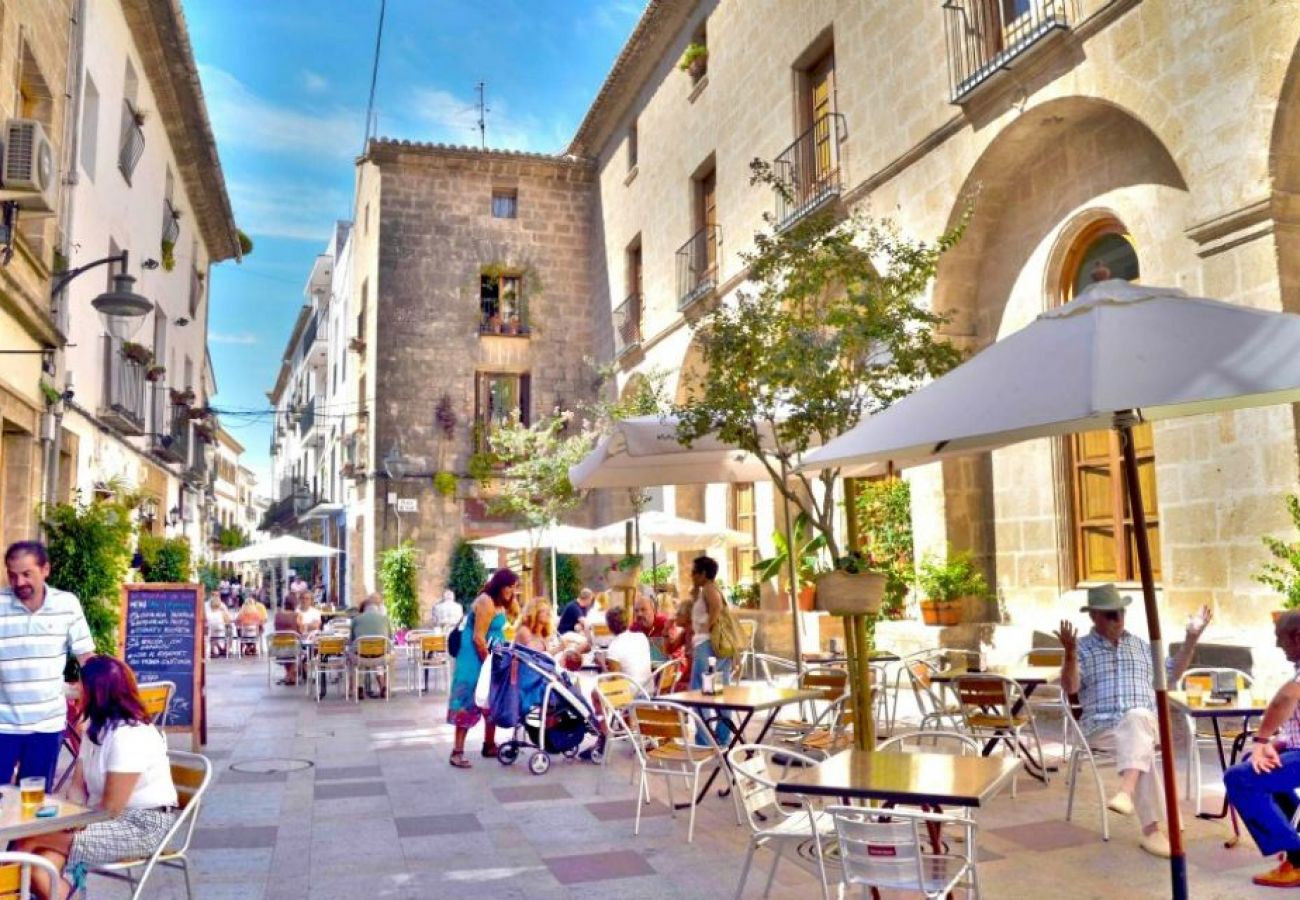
(374, 77)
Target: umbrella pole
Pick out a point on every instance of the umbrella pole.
(1124, 422)
(791, 552)
(555, 584)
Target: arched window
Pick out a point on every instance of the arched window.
(1101, 526)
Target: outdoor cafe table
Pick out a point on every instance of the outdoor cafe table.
(1028, 677)
(933, 779)
(745, 700)
(838, 659)
(16, 823)
(1216, 712)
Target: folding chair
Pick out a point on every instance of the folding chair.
(157, 697)
(329, 658)
(993, 707)
(891, 848)
(664, 738)
(756, 769)
(283, 648)
(372, 655)
(614, 691)
(191, 773)
(16, 874)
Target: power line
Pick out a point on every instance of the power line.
(374, 77)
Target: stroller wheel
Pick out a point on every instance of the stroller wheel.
(539, 763)
(507, 753)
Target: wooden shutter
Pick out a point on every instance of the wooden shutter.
(525, 399)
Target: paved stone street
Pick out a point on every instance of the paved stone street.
(362, 804)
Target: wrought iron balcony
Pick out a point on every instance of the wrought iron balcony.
(627, 325)
(809, 170)
(170, 439)
(986, 36)
(123, 400)
(129, 153)
(697, 266)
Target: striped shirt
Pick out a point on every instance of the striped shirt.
(34, 648)
(1113, 679)
(1289, 733)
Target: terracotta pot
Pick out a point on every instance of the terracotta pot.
(950, 611)
(930, 612)
(807, 598)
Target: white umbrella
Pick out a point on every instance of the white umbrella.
(670, 533)
(286, 546)
(560, 538)
(1119, 354)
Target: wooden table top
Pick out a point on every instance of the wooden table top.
(1215, 710)
(936, 778)
(16, 823)
(743, 696)
(1026, 675)
(828, 658)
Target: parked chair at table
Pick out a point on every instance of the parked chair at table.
(830, 732)
(612, 693)
(993, 708)
(217, 622)
(937, 711)
(745, 658)
(776, 671)
(1046, 699)
(427, 652)
(1080, 753)
(665, 678)
(16, 874)
(330, 658)
(829, 685)
(665, 738)
(756, 769)
(1209, 680)
(157, 697)
(372, 655)
(891, 849)
(284, 648)
(250, 640)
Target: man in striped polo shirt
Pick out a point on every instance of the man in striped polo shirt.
(39, 626)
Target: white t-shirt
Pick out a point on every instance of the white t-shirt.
(631, 650)
(135, 747)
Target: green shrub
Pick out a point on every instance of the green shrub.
(1282, 572)
(165, 559)
(445, 483)
(951, 579)
(468, 574)
(397, 581)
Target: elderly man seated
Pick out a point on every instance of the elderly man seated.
(1263, 786)
(1112, 671)
(372, 622)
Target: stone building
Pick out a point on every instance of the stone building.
(1155, 139)
(472, 284)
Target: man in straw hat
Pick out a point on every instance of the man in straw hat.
(1112, 671)
(1262, 787)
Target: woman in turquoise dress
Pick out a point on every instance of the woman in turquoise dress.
(484, 627)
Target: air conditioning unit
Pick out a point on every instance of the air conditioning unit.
(28, 170)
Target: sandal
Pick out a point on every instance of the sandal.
(458, 760)
(490, 751)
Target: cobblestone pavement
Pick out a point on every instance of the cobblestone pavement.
(357, 801)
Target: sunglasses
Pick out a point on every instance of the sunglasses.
(1113, 615)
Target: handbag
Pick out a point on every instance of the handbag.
(457, 635)
(726, 636)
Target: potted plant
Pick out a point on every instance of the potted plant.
(511, 326)
(168, 253)
(155, 373)
(695, 60)
(625, 573)
(945, 584)
(494, 324)
(445, 484)
(206, 433)
(658, 577)
(852, 588)
(199, 413)
(357, 345)
(182, 398)
(137, 353)
(807, 561)
(744, 595)
(1282, 572)
(516, 325)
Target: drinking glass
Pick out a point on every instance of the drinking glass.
(33, 792)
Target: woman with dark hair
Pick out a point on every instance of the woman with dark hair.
(123, 769)
(485, 626)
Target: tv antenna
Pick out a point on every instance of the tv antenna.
(482, 115)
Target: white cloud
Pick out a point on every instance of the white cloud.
(243, 119)
(273, 207)
(243, 337)
(434, 114)
(314, 82)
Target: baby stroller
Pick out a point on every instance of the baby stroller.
(546, 710)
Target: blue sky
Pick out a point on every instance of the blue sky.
(286, 84)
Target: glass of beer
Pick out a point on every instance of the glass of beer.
(33, 792)
(1195, 696)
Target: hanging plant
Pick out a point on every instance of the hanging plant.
(182, 398)
(205, 433)
(168, 255)
(445, 417)
(50, 393)
(137, 353)
(445, 483)
(200, 413)
(155, 373)
(357, 345)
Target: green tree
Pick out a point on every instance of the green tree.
(536, 489)
(164, 559)
(468, 574)
(833, 330)
(90, 552)
(231, 537)
(568, 578)
(883, 510)
(209, 576)
(398, 582)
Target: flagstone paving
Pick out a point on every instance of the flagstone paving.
(356, 800)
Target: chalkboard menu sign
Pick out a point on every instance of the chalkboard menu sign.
(162, 640)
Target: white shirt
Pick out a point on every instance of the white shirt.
(631, 650)
(34, 647)
(130, 748)
(447, 614)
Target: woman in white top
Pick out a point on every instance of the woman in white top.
(217, 618)
(123, 769)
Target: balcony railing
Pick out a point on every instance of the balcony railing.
(170, 439)
(809, 170)
(985, 36)
(128, 155)
(627, 324)
(697, 266)
(307, 418)
(123, 402)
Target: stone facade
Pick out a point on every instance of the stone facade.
(425, 235)
(1179, 121)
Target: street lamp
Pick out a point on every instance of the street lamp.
(122, 309)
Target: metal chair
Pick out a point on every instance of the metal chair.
(1048, 698)
(1209, 680)
(829, 733)
(665, 736)
(283, 648)
(157, 697)
(250, 636)
(931, 701)
(16, 874)
(191, 773)
(774, 670)
(756, 769)
(614, 691)
(1080, 751)
(891, 848)
(428, 651)
(745, 659)
(330, 657)
(371, 655)
(665, 678)
(829, 685)
(993, 707)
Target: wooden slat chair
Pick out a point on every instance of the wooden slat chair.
(191, 773)
(600, 634)
(1048, 697)
(330, 657)
(430, 656)
(1209, 680)
(776, 671)
(831, 731)
(157, 697)
(16, 874)
(665, 736)
(931, 701)
(993, 707)
(829, 684)
(745, 664)
(282, 648)
(665, 678)
(371, 655)
(614, 692)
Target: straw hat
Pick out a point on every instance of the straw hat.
(1105, 598)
